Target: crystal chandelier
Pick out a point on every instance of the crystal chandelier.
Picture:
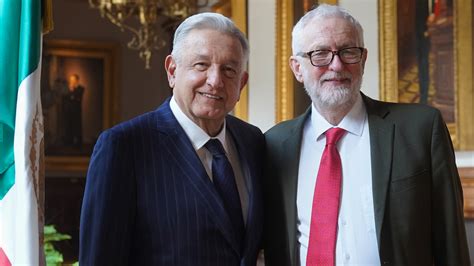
(149, 14)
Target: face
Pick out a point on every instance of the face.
(73, 82)
(337, 84)
(208, 76)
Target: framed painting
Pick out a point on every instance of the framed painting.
(79, 98)
(426, 56)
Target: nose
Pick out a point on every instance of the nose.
(336, 64)
(214, 78)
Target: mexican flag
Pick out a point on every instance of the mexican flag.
(21, 133)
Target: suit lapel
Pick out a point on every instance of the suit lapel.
(251, 180)
(381, 149)
(291, 148)
(184, 157)
(381, 146)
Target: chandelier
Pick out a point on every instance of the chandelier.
(151, 15)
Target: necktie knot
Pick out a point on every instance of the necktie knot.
(215, 147)
(333, 135)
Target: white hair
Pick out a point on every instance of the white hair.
(322, 11)
(208, 20)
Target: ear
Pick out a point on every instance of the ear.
(364, 58)
(243, 82)
(170, 67)
(296, 68)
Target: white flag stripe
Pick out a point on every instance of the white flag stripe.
(19, 228)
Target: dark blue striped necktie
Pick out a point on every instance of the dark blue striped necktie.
(224, 182)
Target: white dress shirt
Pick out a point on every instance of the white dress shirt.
(356, 239)
(199, 138)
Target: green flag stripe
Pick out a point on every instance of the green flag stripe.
(30, 33)
(20, 30)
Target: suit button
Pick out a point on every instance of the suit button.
(347, 257)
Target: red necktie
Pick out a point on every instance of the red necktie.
(4, 259)
(327, 194)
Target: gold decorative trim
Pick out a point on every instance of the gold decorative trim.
(463, 73)
(67, 164)
(239, 16)
(467, 181)
(388, 50)
(284, 76)
(462, 131)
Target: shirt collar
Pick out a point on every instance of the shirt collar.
(353, 122)
(196, 135)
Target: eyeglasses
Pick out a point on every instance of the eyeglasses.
(319, 58)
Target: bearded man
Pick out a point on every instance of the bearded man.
(355, 181)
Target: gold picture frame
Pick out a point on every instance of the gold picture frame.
(74, 116)
(284, 77)
(462, 129)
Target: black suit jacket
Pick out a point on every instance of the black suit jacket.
(418, 203)
(149, 200)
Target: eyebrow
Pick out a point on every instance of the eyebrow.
(231, 62)
(326, 47)
(200, 57)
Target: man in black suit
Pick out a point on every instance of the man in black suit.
(72, 112)
(398, 199)
(180, 185)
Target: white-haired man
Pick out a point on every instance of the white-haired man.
(355, 181)
(181, 185)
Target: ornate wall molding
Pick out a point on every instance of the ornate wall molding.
(388, 50)
(467, 181)
(284, 76)
(463, 70)
(239, 15)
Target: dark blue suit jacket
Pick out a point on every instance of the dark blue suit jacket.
(149, 201)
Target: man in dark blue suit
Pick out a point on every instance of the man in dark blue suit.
(155, 193)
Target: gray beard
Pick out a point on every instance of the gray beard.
(339, 97)
(334, 97)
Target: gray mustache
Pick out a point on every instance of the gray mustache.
(329, 76)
